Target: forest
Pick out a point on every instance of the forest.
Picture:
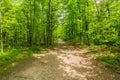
(28, 26)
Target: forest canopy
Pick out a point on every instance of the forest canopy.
(42, 22)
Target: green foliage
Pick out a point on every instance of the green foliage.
(11, 58)
(110, 61)
(29, 22)
(89, 22)
(109, 56)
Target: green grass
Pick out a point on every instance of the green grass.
(106, 54)
(110, 61)
(12, 57)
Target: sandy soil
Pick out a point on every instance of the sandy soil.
(63, 62)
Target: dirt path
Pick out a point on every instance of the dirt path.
(63, 62)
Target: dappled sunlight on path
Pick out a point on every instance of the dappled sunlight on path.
(63, 62)
(76, 66)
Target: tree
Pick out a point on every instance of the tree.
(1, 31)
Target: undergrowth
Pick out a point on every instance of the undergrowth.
(11, 57)
(109, 55)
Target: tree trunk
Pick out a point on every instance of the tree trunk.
(49, 24)
(1, 32)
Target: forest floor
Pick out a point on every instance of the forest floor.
(63, 62)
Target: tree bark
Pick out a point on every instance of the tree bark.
(1, 31)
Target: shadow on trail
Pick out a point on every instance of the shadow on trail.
(62, 62)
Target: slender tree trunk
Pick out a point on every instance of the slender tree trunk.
(1, 39)
(1, 31)
(98, 12)
(49, 24)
